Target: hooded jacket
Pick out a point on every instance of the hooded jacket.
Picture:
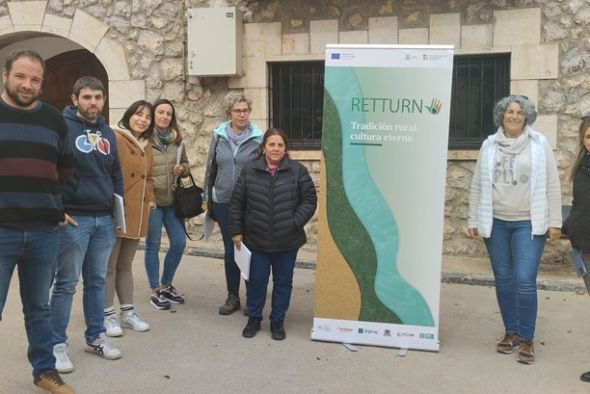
(229, 163)
(97, 173)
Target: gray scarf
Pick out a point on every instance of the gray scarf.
(163, 138)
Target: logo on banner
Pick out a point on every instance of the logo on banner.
(367, 331)
(434, 107)
(426, 336)
(335, 56)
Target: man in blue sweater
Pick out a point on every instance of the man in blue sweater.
(34, 159)
(88, 198)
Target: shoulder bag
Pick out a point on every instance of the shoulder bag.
(188, 198)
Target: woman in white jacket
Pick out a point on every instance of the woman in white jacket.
(514, 205)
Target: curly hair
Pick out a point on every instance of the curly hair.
(527, 106)
(235, 97)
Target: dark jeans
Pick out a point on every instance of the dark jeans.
(35, 253)
(232, 272)
(282, 265)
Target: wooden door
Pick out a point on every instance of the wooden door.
(62, 71)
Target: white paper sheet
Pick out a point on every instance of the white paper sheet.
(119, 212)
(208, 226)
(242, 259)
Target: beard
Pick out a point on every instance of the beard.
(88, 115)
(14, 96)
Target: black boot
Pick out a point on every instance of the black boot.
(277, 331)
(251, 328)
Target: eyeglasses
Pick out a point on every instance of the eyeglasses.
(240, 111)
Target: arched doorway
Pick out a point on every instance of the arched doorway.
(62, 71)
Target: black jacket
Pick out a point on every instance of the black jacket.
(270, 211)
(578, 222)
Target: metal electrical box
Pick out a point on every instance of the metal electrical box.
(214, 41)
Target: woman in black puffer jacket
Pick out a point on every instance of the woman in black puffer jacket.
(272, 200)
(577, 225)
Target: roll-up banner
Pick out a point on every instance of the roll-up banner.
(382, 195)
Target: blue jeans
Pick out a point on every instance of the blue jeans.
(515, 255)
(83, 249)
(282, 264)
(158, 217)
(35, 253)
(232, 271)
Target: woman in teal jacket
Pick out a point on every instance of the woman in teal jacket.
(234, 143)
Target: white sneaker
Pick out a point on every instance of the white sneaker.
(112, 325)
(63, 364)
(132, 320)
(101, 347)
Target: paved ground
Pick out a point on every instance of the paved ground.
(192, 349)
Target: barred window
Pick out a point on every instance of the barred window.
(479, 81)
(296, 97)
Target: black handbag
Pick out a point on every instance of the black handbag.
(188, 199)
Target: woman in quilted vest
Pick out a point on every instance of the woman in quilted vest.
(167, 146)
(515, 205)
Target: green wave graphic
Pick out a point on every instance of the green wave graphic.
(348, 232)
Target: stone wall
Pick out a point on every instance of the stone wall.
(152, 34)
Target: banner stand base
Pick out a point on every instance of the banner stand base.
(350, 347)
(402, 352)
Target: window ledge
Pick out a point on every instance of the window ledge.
(463, 155)
(457, 155)
(305, 155)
